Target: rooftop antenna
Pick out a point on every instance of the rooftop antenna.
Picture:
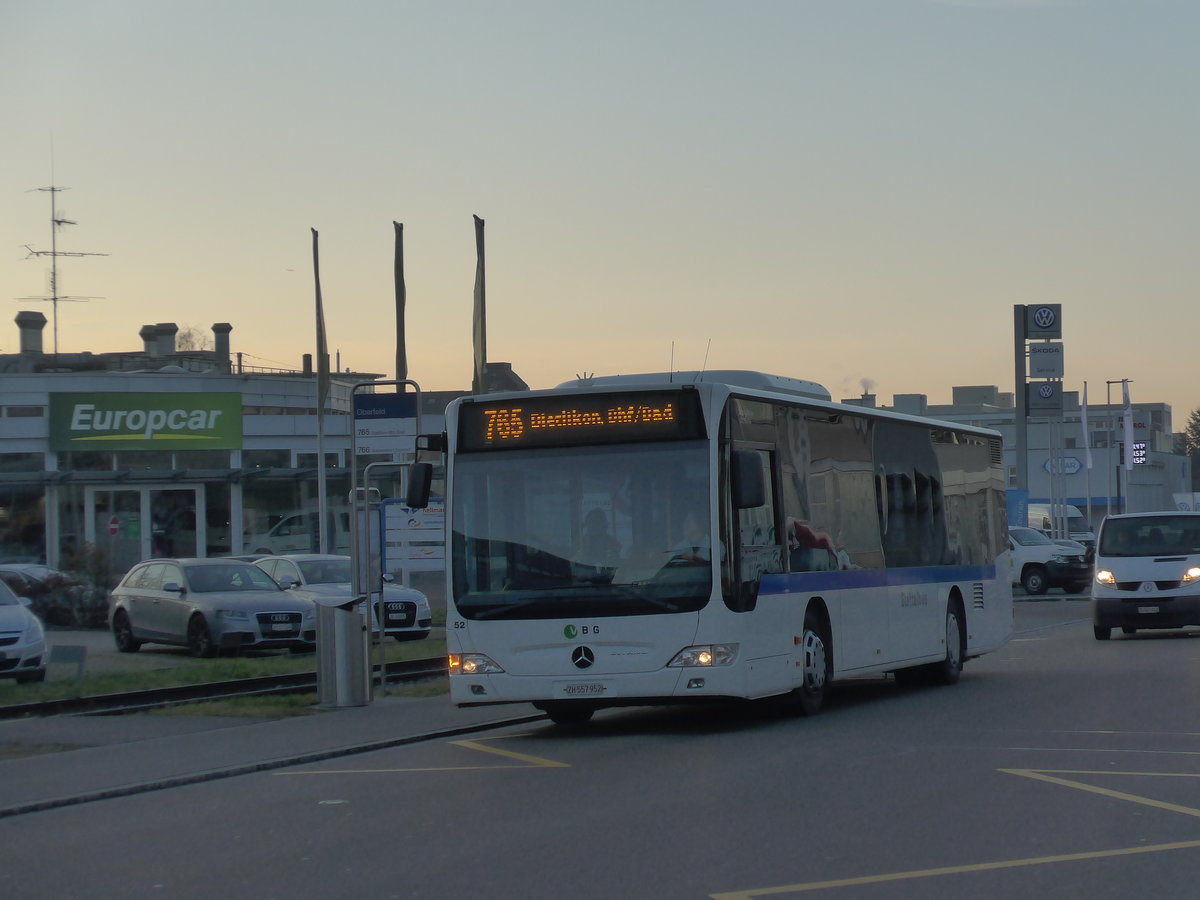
(56, 222)
(704, 365)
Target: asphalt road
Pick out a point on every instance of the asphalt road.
(1059, 766)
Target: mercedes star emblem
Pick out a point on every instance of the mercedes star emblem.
(582, 657)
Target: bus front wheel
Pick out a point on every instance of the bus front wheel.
(809, 697)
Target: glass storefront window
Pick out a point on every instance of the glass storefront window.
(266, 459)
(86, 461)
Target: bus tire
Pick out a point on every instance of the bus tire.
(810, 696)
(949, 669)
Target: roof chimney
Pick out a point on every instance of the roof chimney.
(149, 336)
(220, 332)
(31, 325)
(166, 337)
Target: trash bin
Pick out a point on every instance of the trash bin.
(343, 656)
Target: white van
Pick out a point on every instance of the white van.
(1147, 572)
(1041, 518)
(296, 532)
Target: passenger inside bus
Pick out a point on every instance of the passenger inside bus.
(693, 546)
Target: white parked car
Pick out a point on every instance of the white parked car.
(22, 639)
(406, 612)
(1040, 563)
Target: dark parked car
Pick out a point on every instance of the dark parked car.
(208, 605)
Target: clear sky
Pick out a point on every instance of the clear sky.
(848, 191)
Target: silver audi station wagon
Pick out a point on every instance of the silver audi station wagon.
(208, 605)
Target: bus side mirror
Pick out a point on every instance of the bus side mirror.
(746, 480)
(420, 479)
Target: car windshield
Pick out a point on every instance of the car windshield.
(1166, 535)
(600, 531)
(7, 597)
(326, 571)
(209, 579)
(1027, 537)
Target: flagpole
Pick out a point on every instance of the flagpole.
(1087, 453)
(479, 330)
(322, 397)
(401, 300)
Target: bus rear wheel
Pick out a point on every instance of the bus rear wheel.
(949, 669)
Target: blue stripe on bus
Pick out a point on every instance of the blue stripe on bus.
(807, 582)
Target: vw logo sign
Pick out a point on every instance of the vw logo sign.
(1043, 317)
(1045, 391)
(583, 657)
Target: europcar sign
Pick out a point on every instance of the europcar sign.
(114, 421)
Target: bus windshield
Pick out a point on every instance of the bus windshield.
(618, 529)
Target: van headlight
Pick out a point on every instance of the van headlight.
(1192, 574)
(1103, 576)
(472, 664)
(705, 655)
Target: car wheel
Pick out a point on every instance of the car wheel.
(123, 633)
(29, 677)
(1033, 579)
(1101, 633)
(199, 639)
(1078, 588)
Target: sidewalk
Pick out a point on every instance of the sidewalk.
(63, 760)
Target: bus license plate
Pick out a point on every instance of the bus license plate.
(582, 689)
(1147, 609)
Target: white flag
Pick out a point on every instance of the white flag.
(1087, 434)
(1127, 415)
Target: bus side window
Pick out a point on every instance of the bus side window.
(760, 551)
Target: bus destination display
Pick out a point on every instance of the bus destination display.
(587, 419)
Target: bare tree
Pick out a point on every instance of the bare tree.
(192, 338)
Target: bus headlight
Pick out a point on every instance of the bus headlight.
(1192, 574)
(705, 655)
(472, 664)
(1103, 576)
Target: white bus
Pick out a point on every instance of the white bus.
(849, 541)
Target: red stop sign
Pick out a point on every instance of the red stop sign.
(114, 525)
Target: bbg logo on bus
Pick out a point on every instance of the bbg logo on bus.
(573, 631)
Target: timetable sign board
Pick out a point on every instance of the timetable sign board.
(385, 423)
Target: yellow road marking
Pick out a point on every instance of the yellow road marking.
(528, 762)
(952, 870)
(1047, 775)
